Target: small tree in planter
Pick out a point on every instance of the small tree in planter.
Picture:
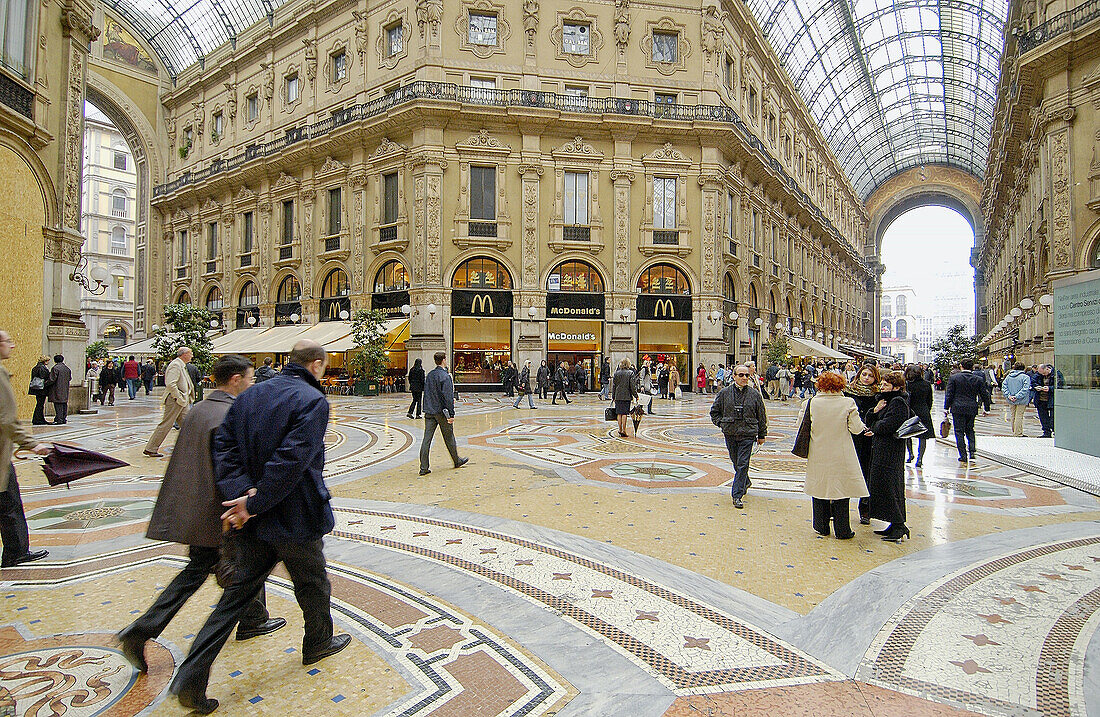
(368, 364)
(775, 351)
(953, 347)
(185, 325)
(97, 350)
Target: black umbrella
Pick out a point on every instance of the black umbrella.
(64, 464)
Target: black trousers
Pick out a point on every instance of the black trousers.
(60, 412)
(431, 422)
(417, 403)
(183, 586)
(39, 416)
(542, 391)
(255, 559)
(1046, 417)
(13, 523)
(559, 388)
(964, 434)
(837, 510)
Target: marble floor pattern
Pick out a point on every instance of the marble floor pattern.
(569, 571)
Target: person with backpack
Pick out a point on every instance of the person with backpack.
(1016, 388)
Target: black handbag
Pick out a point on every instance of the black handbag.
(609, 414)
(912, 427)
(801, 447)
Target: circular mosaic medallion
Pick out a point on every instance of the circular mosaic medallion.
(521, 441)
(653, 471)
(91, 515)
(74, 680)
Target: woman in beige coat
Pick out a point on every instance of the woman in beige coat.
(673, 380)
(833, 474)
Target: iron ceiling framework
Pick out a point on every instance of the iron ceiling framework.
(183, 32)
(893, 84)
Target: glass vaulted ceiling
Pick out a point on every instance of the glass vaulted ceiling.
(893, 84)
(182, 32)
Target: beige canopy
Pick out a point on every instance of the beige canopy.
(809, 347)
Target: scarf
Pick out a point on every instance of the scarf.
(858, 389)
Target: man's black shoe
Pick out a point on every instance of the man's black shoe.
(335, 644)
(264, 628)
(462, 462)
(424, 471)
(133, 649)
(197, 703)
(738, 504)
(26, 558)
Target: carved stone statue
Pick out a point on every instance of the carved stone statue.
(530, 19)
(269, 80)
(311, 59)
(430, 13)
(622, 24)
(231, 102)
(713, 30)
(362, 41)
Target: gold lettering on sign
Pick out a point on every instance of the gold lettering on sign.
(480, 302)
(664, 309)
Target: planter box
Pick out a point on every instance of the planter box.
(367, 388)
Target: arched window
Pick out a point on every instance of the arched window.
(481, 273)
(250, 295)
(336, 284)
(729, 291)
(902, 330)
(391, 277)
(1094, 260)
(754, 298)
(575, 276)
(887, 306)
(183, 298)
(663, 279)
(118, 241)
(119, 200)
(886, 329)
(289, 290)
(214, 300)
(902, 304)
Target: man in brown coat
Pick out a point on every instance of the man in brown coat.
(13, 522)
(60, 378)
(188, 511)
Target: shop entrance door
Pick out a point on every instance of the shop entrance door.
(590, 361)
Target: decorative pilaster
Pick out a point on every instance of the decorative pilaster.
(622, 180)
(1061, 219)
(359, 283)
(531, 173)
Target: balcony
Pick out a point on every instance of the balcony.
(387, 233)
(211, 266)
(181, 272)
(483, 229)
(757, 260)
(1059, 25)
(666, 237)
(576, 232)
(732, 248)
(286, 252)
(332, 243)
(16, 96)
(775, 270)
(246, 260)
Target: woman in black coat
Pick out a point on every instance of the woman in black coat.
(40, 380)
(888, 456)
(920, 400)
(863, 390)
(416, 385)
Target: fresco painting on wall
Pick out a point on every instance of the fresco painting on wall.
(120, 45)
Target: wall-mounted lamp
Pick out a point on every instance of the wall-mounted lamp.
(758, 322)
(99, 276)
(715, 316)
(734, 316)
(344, 315)
(1026, 303)
(1046, 300)
(251, 320)
(431, 309)
(625, 313)
(406, 309)
(532, 311)
(1016, 311)
(295, 318)
(213, 323)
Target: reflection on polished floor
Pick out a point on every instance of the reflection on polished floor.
(566, 571)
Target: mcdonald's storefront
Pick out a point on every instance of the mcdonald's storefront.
(574, 331)
(664, 331)
(481, 334)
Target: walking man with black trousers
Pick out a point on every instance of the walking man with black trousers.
(439, 412)
(966, 391)
(739, 411)
(269, 456)
(188, 511)
(1043, 385)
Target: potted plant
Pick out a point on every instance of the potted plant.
(185, 149)
(368, 364)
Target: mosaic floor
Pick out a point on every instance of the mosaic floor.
(568, 571)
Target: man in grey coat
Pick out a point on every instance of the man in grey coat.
(739, 411)
(439, 412)
(188, 511)
(60, 378)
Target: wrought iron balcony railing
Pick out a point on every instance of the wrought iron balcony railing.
(388, 233)
(576, 232)
(424, 90)
(332, 243)
(665, 236)
(483, 229)
(1060, 24)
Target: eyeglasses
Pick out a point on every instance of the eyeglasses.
(742, 375)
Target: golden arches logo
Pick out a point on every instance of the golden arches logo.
(480, 303)
(664, 309)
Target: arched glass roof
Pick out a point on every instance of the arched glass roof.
(893, 84)
(183, 32)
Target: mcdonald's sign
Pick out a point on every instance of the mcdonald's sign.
(481, 303)
(663, 307)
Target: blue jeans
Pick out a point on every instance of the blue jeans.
(530, 399)
(132, 387)
(740, 450)
(605, 389)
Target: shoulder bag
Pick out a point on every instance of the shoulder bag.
(912, 426)
(801, 446)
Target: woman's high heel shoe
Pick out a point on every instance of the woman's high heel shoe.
(885, 531)
(897, 536)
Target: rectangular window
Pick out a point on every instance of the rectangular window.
(576, 198)
(333, 211)
(340, 66)
(775, 243)
(576, 96)
(664, 202)
(253, 107)
(246, 238)
(292, 89)
(181, 246)
(120, 288)
(120, 160)
(118, 241)
(188, 136)
(212, 241)
(118, 204)
(389, 198)
(574, 38)
(18, 36)
(483, 193)
(729, 214)
(665, 46)
(482, 88)
(395, 39)
(483, 29)
(288, 221)
(752, 103)
(755, 231)
(218, 124)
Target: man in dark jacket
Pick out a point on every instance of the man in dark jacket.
(60, 378)
(1043, 386)
(148, 375)
(739, 411)
(269, 456)
(543, 379)
(605, 378)
(196, 379)
(439, 412)
(561, 382)
(265, 372)
(188, 511)
(523, 385)
(40, 380)
(966, 391)
(108, 380)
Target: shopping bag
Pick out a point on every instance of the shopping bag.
(945, 427)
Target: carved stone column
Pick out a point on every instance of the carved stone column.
(530, 331)
(426, 328)
(1061, 192)
(623, 342)
(710, 347)
(360, 284)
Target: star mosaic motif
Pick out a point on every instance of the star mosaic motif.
(1006, 600)
(981, 640)
(420, 534)
(1052, 576)
(601, 593)
(488, 551)
(1075, 567)
(699, 643)
(388, 527)
(525, 562)
(563, 576)
(994, 619)
(646, 615)
(1032, 589)
(454, 541)
(970, 667)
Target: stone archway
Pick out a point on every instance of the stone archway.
(921, 187)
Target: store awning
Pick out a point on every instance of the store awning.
(809, 347)
(239, 341)
(866, 353)
(396, 331)
(276, 340)
(326, 332)
(138, 348)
